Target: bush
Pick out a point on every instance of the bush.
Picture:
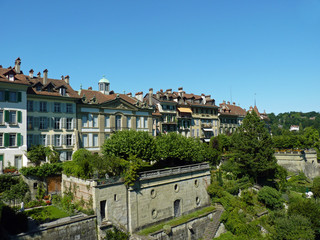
(42, 171)
(270, 197)
(11, 221)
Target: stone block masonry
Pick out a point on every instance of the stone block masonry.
(79, 228)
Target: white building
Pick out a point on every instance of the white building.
(13, 117)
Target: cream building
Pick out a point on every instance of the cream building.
(51, 117)
(101, 113)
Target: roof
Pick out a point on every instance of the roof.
(231, 110)
(102, 98)
(104, 80)
(19, 78)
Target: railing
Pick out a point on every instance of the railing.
(173, 171)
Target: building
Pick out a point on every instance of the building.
(52, 113)
(13, 117)
(231, 117)
(156, 196)
(101, 113)
(187, 114)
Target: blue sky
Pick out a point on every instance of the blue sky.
(230, 49)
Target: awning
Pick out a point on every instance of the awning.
(207, 129)
(206, 140)
(184, 110)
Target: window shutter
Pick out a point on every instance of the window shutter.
(36, 122)
(48, 142)
(63, 122)
(19, 139)
(73, 140)
(73, 108)
(19, 116)
(6, 115)
(6, 139)
(63, 139)
(74, 123)
(19, 96)
(52, 106)
(52, 141)
(63, 107)
(6, 96)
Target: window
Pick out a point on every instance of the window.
(107, 121)
(38, 88)
(197, 132)
(30, 106)
(145, 122)
(18, 161)
(29, 140)
(69, 156)
(62, 91)
(12, 140)
(95, 140)
(43, 123)
(43, 106)
(2, 94)
(69, 139)
(12, 97)
(43, 140)
(12, 117)
(138, 122)
(69, 123)
(30, 122)
(1, 117)
(118, 122)
(1, 139)
(85, 140)
(57, 123)
(57, 107)
(11, 77)
(84, 121)
(57, 140)
(129, 122)
(69, 108)
(95, 121)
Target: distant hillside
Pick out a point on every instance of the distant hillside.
(283, 121)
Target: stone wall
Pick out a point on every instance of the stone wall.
(305, 161)
(80, 228)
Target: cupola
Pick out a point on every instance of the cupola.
(104, 85)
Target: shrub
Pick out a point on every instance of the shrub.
(270, 197)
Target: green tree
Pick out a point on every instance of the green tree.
(316, 187)
(174, 149)
(270, 197)
(16, 192)
(253, 151)
(81, 165)
(294, 227)
(39, 153)
(130, 143)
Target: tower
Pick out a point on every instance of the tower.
(104, 85)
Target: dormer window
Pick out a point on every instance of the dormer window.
(38, 88)
(11, 77)
(63, 91)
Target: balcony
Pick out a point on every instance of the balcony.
(206, 125)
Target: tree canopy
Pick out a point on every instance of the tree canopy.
(253, 153)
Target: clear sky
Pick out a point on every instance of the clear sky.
(231, 49)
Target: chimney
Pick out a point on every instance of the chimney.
(224, 101)
(208, 97)
(66, 79)
(234, 103)
(161, 90)
(39, 74)
(181, 92)
(158, 95)
(150, 96)
(89, 88)
(31, 73)
(62, 77)
(0, 66)
(169, 91)
(17, 65)
(45, 76)
(139, 96)
(228, 103)
(129, 94)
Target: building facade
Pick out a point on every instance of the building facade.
(101, 113)
(231, 117)
(13, 117)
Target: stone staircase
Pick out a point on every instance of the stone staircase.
(213, 225)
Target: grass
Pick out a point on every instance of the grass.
(177, 221)
(46, 214)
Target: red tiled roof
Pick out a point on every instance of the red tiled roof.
(230, 109)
